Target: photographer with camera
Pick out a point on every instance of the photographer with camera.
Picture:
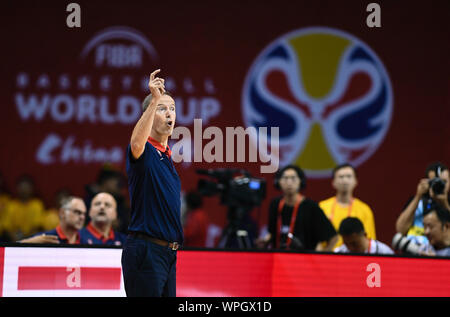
(434, 189)
(295, 221)
(437, 231)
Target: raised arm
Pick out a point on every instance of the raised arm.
(143, 127)
(406, 218)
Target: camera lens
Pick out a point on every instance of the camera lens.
(437, 185)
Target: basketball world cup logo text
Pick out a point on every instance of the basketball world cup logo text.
(328, 93)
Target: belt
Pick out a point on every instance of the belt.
(139, 235)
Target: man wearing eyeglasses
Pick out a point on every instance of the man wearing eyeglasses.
(71, 219)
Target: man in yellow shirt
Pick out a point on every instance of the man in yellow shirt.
(4, 201)
(344, 205)
(23, 214)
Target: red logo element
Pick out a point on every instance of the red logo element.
(71, 278)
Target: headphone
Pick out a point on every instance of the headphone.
(298, 170)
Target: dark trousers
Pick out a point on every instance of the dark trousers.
(148, 269)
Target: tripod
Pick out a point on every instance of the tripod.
(235, 235)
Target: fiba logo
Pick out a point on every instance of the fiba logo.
(120, 47)
(328, 93)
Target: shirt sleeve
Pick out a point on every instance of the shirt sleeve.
(323, 228)
(325, 206)
(131, 157)
(384, 249)
(137, 165)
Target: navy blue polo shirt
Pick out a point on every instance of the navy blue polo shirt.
(154, 188)
(90, 235)
(60, 234)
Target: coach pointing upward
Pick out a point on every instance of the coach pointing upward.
(155, 231)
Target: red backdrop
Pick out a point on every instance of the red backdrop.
(86, 94)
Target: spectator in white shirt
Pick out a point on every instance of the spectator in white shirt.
(355, 239)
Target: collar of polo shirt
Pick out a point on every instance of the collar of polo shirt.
(160, 147)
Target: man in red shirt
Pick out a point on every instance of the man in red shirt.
(103, 213)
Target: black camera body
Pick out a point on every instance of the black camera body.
(437, 185)
(240, 193)
(234, 191)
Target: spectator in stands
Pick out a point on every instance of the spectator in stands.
(194, 220)
(410, 221)
(296, 221)
(356, 240)
(437, 230)
(4, 193)
(5, 197)
(100, 230)
(24, 213)
(71, 219)
(344, 204)
(111, 181)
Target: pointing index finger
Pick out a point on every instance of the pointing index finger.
(152, 75)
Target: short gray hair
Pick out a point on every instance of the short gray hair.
(148, 99)
(65, 202)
